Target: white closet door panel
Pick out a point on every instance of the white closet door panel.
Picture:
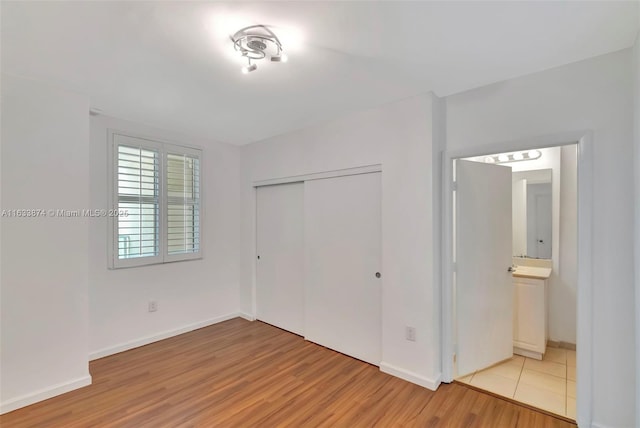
(342, 257)
(280, 267)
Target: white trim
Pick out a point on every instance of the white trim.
(246, 316)
(527, 353)
(410, 376)
(540, 142)
(105, 352)
(43, 394)
(366, 169)
(585, 285)
(254, 264)
(597, 425)
(584, 292)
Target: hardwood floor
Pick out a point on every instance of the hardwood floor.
(243, 374)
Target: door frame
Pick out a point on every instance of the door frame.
(584, 292)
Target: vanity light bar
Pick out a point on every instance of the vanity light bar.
(514, 157)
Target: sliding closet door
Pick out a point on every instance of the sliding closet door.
(342, 264)
(280, 245)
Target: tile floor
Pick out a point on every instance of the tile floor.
(549, 384)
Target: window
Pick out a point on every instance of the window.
(156, 192)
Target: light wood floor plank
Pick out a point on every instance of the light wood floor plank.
(250, 374)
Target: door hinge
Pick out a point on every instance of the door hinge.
(454, 267)
(454, 186)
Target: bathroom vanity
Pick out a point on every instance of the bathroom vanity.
(530, 292)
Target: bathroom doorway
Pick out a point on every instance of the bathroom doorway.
(514, 245)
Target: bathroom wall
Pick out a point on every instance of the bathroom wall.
(564, 281)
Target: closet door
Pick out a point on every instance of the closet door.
(280, 252)
(343, 264)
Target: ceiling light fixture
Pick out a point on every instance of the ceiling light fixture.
(255, 43)
(514, 157)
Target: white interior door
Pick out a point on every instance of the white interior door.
(343, 255)
(280, 264)
(484, 289)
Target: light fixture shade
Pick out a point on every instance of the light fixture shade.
(514, 157)
(280, 58)
(534, 154)
(249, 68)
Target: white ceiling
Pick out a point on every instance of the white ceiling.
(170, 64)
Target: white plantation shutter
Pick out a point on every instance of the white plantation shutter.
(183, 203)
(138, 193)
(157, 185)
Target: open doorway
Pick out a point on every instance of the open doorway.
(514, 285)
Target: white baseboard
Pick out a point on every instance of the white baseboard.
(410, 376)
(43, 394)
(246, 316)
(105, 352)
(527, 353)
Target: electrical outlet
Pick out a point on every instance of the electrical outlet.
(410, 333)
(153, 306)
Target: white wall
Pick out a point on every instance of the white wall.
(45, 165)
(596, 95)
(60, 303)
(189, 294)
(563, 283)
(636, 121)
(398, 136)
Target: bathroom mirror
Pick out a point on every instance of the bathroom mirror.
(532, 213)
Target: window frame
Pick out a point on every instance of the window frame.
(116, 138)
